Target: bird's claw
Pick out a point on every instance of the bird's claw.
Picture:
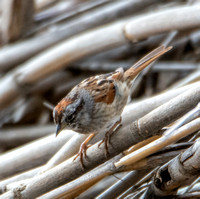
(108, 135)
(81, 153)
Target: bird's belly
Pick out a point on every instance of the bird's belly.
(107, 115)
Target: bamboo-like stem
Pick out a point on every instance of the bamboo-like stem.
(11, 137)
(182, 170)
(21, 176)
(67, 151)
(17, 17)
(174, 15)
(76, 187)
(75, 48)
(130, 113)
(90, 20)
(122, 140)
(169, 137)
(60, 49)
(31, 155)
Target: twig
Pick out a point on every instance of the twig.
(188, 189)
(76, 187)
(152, 161)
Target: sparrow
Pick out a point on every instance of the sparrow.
(95, 105)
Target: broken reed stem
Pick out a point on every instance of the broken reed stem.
(182, 170)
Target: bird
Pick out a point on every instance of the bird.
(95, 105)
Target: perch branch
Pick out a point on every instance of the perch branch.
(131, 113)
(123, 139)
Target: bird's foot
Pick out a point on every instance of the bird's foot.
(81, 153)
(108, 135)
(83, 148)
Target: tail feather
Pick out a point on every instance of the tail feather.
(132, 72)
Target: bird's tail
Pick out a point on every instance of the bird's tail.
(132, 72)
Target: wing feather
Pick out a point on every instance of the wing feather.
(101, 87)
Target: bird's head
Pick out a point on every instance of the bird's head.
(66, 114)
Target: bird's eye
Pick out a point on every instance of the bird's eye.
(69, 118)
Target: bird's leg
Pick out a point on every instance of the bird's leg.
(108, 134)
(83, 148)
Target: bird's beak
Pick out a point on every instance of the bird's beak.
(58, 129)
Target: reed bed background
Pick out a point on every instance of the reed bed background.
(49, 46)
